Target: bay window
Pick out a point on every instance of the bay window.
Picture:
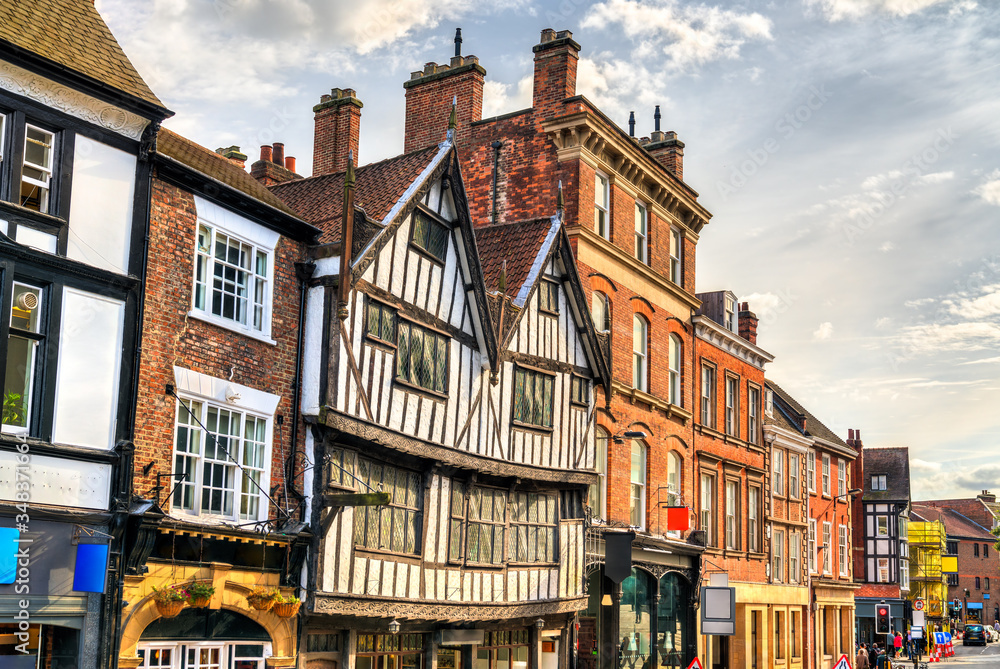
(395, 527)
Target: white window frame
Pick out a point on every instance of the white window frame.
(794, 552)
(879, 481)
(676, 251)
(674, 370)
(708, 396)
(827, 548)
(732, 406)
(47, 170)
(778, 472)
(3, 128)
(641, 232)
(778, 555)
(843, 554)
(794, 489)
(601, 438)
(179, 648)
(602, 205)
(811, 547)
(882, 567)
(811, 471)
(35, 346)
(753, 519)
(732, 515)
(600, 311)
(730, 319)
(637, 500)
(706, 515)
(769, 402)
(841, 477)
(640, 353)
(881, 526)
(257, 239)
(904, 578)
(753, 414)
(825, 474)
(674, 467)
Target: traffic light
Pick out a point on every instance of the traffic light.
(882, 623)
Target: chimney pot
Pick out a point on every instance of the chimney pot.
(748, 322)
(548, 34)
(631, 124)
(278, 154)
(265, 153)
(656, 119)
(290, 163)
(458, 42)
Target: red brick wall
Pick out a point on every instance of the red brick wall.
(171, 338)
(555, 72)
(337, 132)
(428, 107)
(823, 509)
(969, 567)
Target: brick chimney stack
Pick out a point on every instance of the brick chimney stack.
(337, 131)
(273, 167)
(748, 323)
(429, 95)
(556, 58)
(233, 154)
(667, 150)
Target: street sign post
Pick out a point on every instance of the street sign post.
(842, 663)
(918, 605)
(718, 611)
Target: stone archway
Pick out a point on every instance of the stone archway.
(231, 597)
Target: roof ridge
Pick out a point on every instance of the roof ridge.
(331, 175)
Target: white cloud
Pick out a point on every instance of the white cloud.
(499, 99)
(990, 189)
(883, 322)
(687, 35)
(825, 331)
(839, 10)
(886, 247)
(916, 464)
(980, 307)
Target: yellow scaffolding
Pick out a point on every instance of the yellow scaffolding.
(927, 580)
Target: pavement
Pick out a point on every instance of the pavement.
(966, 657)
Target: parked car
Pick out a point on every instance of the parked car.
(974, 634)
(992, 635)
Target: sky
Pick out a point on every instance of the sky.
(849, 151)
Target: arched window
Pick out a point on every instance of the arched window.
(597, 496)
(637, 515)
(675, 370)
(600, 310)
(640, 343)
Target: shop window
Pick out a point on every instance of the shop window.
(533, 397)
(634, 618)
(430, 236)
(422, 357)
(203, 655)
(672, 616)
(389, 651)
(395, 527)
(505, 649)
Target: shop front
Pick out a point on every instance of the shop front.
(864, 612)
(649, 615)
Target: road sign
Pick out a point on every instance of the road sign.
(917, 632)
(842, 663)
(918, 605)
(918, 618)
(695, 663)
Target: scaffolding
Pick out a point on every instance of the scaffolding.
(927, 580)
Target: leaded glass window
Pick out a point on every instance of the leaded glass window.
(533, 528)
(395, 527)
(430, 236)
(533, 397)
(381, 322)
(422, 357)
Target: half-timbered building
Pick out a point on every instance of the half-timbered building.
(449, 386)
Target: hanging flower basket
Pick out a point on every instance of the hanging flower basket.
(262, 598)
(287, 607)
(199, 594)
(169, 601)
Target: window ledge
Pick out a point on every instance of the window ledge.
(229, 325)
(636, 395)
(542, 429)
(408, 387)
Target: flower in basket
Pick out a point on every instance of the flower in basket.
(262, 597)
(169, 601)
(199, 593)
(286, 607)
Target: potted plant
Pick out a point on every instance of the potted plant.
(286, 607)
(199, 593)
(262, 597)
(169, 601)
(13, 409)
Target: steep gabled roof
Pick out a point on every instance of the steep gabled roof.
(791, 413)
(527, 247)
(72, 35)
(894, 462)
(955, 524)
(223, 171)
(378, 186)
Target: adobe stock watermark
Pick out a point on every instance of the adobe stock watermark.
(22, 520)
(786, 127)
(911, 173)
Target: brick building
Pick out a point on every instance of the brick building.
(820, 462)
(982, 509)
(879, 539)
(216, 442)
(974, 589)
(634, 224)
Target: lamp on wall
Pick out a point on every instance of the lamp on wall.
(852, 491)
(539, 624)
(394, 626)
(628, 434)
(606, 600)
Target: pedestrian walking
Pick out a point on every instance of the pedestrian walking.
(861, 662)
(897, 644)
(873, 654)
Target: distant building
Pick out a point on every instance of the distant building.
(974, 591)
(928, 580)
(881, 547)
(821, 463)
